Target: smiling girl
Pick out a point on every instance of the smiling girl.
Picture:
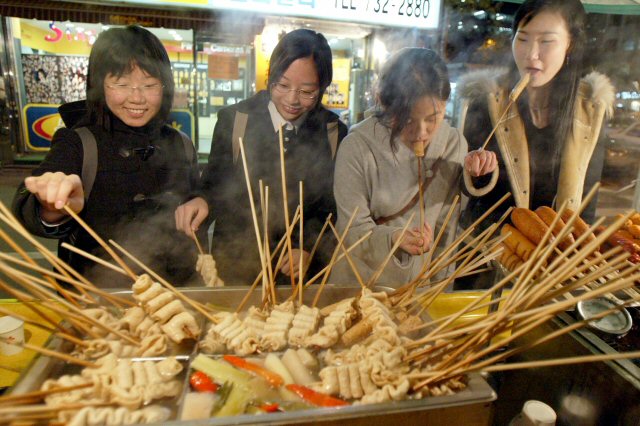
(143, 167)
(300, 70)
(548, 146)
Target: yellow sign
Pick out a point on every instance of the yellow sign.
(337, 94)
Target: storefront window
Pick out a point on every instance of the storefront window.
(53, 59)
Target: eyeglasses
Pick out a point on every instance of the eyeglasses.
(304, 94)
(124, 89)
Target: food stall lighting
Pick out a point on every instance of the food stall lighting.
(480, 14)
(379, 50)
(578, 407)
(499, 16)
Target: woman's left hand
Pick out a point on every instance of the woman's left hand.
(480, 162)
(285, 268)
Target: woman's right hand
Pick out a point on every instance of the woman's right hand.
(413, 241)
(53, 191)
(190, 215)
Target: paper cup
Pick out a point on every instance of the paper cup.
(11, 335)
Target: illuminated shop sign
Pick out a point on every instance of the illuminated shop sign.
(424, 14)
(42, 120)
(79, 34)
(625, 96)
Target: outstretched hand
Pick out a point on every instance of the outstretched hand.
(190, 215)
(54, 190)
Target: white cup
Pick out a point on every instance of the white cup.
(11, 335)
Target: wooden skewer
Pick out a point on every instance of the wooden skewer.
(551, 336)
(562, 361)
(542, 317)
(333, 258)
(354, 269)
(40, 394)
(36, 280)
(96, 259)
(340, 257)
(67, 294)
(46, 408)
(383, 265)
(259, 277)
(266, 279)
(54, 354)
(198, 307)
(254, 215)
(100, 241)
(420, 189)
(19, 295)
(513, 96)
(270, 282)
(317, 243)
(285, 200)
(61, 266)
(116, 300)
(301, 266)
(45, 294)
(195, 238)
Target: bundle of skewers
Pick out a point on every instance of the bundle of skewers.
(370, 347)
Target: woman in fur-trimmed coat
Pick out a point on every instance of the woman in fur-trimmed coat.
(548, 144)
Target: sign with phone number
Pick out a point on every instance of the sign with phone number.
(423, 14)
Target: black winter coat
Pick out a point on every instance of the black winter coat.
(132, 201)
(308, 158)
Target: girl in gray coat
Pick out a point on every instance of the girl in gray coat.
(377, 173)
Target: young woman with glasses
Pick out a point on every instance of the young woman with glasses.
(300, 70)
(144, 168)
(377, 171)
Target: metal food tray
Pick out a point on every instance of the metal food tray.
(471, 406)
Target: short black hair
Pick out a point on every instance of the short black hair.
(302, 43)
(117, 51)
(409, 75)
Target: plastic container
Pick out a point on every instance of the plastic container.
(11, 335)
(535, 413)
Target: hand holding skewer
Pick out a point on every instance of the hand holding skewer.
(415, 241)
(476, 161)
(54, 191)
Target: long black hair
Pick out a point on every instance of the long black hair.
(409, 75)
(564, 86)
(298, 44)
(117, 51)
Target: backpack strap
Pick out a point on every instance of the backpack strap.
(89, 159)
(239, 127)
(332, 134)
(189, 150)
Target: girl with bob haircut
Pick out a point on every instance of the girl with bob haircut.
(300, 70)
(128, 181)
(547, 145)
(377, 174)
